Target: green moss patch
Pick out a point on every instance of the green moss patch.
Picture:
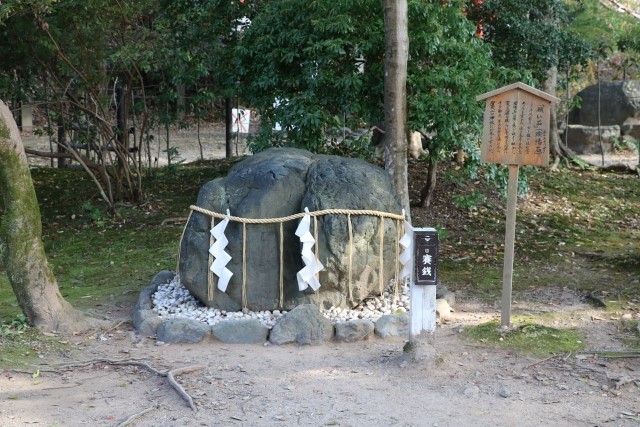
(24, 347)
(527, 338)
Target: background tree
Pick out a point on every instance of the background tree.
(448, 66)
(83, 55)
(197, 49)
(313, 68)
(318, 67)
(531, 37)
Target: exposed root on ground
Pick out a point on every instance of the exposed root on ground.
(171, 374)
(134, 417)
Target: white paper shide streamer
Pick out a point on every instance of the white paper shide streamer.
(220, 257)
(407, 244)
(308, 275)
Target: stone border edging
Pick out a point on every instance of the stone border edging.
(302, 325)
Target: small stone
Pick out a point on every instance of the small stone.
(471, 391)
(504, 392)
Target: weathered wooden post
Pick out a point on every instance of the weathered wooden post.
(515, 132)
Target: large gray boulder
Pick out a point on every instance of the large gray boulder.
(619, 101)
(303, 325)
(616, 107)
(241, 331)
(392, 325)
(277, 183)
(182, 330)
(586, 140)
(354, 330)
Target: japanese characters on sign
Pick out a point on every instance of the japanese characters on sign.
(516, 126)
(425, 257)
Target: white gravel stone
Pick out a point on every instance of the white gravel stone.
(172, 300)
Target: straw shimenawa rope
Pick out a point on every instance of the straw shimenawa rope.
(209, 272)
(244, 264)
(281, 265)
(297, 215)
(184, 230)
(381, 267)
(315, 214)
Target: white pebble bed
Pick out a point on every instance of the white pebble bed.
(173, 300)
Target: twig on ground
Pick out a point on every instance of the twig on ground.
(115, 327)
(541, 361)
(608, 354)
(174, 221)
(116, 362)
(623, 380)
(245, 401)
(134, 417)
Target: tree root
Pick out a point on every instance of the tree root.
(171, 374)
(134, 417)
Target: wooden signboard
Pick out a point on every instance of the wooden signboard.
(425, 244)
(516, 126)
(516, 132)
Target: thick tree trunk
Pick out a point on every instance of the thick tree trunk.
(395, 95)
(21, 249)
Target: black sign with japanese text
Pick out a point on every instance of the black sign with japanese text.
(425, 257)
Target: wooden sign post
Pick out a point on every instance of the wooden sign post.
(515, 132)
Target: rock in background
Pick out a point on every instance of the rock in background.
(619, 116)
(277, 183)
(586, 139)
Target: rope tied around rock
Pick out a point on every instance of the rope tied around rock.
(315, 214)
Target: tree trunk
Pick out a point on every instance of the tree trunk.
(228, 124)
(21, 249)
(554, 141)
(599, 121)
(426, 194)
(62, 162)
(558, 151)
(395, 96)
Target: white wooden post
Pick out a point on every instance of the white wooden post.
(422, 321)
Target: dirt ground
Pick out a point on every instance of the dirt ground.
(184, 141)
(105, 380)
(116, 377)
